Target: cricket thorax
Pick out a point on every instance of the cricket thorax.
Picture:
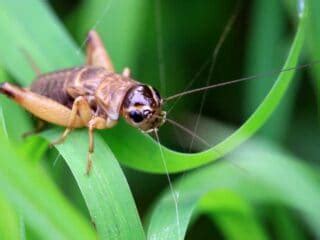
(111, 93)
(142, 108)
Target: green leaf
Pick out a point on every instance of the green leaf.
(30, 27)
(232, 214)
(33, 146)
(314, 51)
(265, 51)
(105, 191)
(285, 225)
(9, 221)
(15, 116)
(119, 23)
(37, 199)
(274, 179)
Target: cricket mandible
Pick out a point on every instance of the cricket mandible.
(91, 96)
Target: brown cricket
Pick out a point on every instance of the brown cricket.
(91, 96)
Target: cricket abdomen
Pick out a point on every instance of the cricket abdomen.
(52, 85)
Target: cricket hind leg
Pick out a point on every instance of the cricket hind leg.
(80, 108)
(96, 52)
(31, 62)
(39, 127)
(40, 123)
(40, 106)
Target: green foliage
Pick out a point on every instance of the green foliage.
(236, 198)
(106, 191)
(261, 185)
(37, 199)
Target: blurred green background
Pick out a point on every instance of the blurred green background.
(267, 188)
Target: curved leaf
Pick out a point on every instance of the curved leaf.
(37, 199)
(275, 178)
(233, 215)
(314, 38)
(267, 15)
(105, 191)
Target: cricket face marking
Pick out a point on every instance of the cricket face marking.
(142, 108)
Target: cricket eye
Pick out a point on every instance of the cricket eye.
(136, 116)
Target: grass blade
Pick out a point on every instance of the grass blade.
(233, 215)
(267, 15)
(105, 191)
(314, 38)
(264, 176)
(29, 25)
(15, 116)
(9, 221)
(34, 196)
(118, 22)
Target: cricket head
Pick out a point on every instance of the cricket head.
(142, 108)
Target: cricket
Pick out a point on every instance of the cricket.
(91, 96)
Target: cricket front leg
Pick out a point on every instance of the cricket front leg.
(96, 123)
(80, 108)
(96, 52)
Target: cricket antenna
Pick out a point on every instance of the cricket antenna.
(218, 47)
(183, 128)
(268, 74)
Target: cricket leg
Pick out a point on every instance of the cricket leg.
(126, 72)
(42, 107)
(94, 123)
(80, 106)
(31, 62)
(40, 125)
(96, 52)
